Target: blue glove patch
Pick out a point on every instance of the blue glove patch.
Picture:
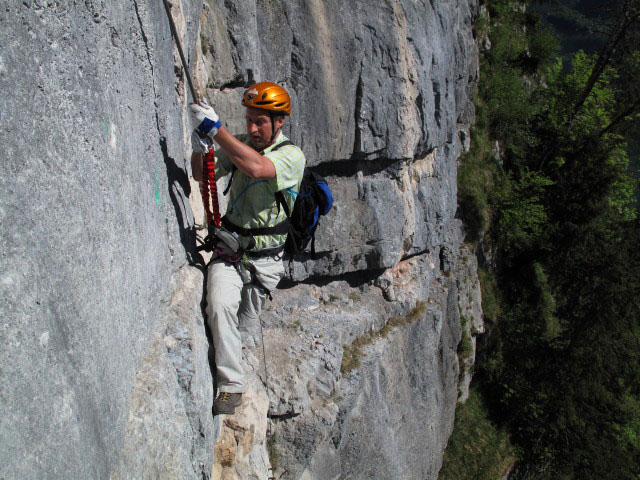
(207, 125)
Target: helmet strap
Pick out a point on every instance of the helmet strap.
(274, 132)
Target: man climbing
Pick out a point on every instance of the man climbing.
(262, 163)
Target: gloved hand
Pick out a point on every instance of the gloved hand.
(206, 119)
(200, 143)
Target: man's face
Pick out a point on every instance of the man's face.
(259, 127)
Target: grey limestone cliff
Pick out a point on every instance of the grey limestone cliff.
(383, 96)
(96, 225)
(104, 355)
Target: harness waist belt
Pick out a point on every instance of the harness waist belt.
(268, 252)
(280, 229)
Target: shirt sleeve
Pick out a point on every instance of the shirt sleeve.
(289, 163)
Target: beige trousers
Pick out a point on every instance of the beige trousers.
(234, 304)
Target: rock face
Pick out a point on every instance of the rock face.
(382, 109)
(381, 99)
(169, 428)
(374, 382)
(104, 355)
(96, 224)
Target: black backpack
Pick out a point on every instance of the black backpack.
(312, 201)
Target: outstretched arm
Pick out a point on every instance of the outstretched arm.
(243, 156)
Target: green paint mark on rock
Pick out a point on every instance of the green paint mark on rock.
(156, 187)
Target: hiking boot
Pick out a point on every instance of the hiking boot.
(227, 402)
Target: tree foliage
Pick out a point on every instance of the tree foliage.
(562, 369)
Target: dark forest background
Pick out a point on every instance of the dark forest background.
(549, 197)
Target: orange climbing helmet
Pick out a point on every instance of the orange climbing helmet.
(267, 96)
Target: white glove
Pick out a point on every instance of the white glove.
(206, 119)
(200, 143)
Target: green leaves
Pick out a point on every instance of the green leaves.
(557, 206)
(520, 212)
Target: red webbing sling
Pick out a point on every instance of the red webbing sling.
(209, 189)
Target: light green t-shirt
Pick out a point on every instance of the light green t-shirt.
(252, 202)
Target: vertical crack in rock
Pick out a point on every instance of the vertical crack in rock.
(148, 53)
(297, 63)
(357, 114)
(437, 101)
(420, 109)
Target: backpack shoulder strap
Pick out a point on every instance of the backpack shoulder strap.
(279, 146)
(280, 200)
(233, 172)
